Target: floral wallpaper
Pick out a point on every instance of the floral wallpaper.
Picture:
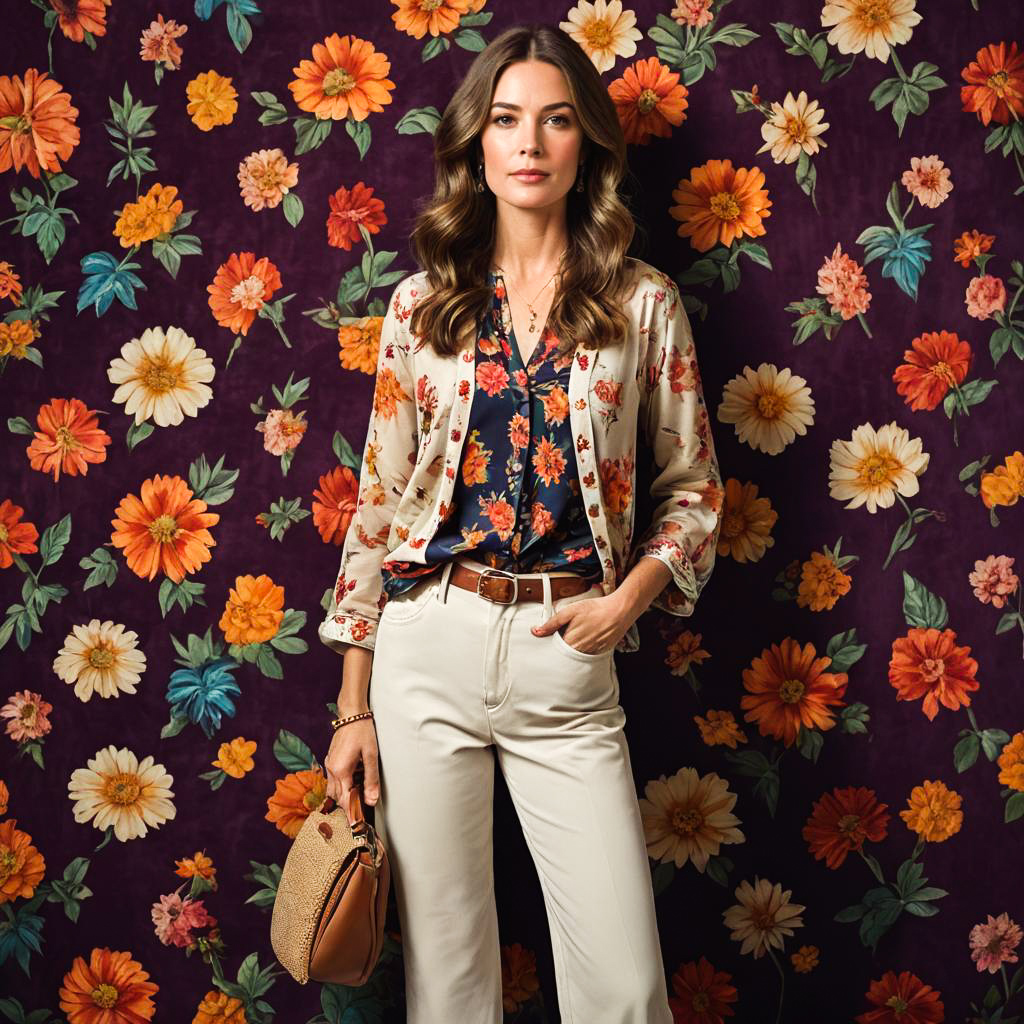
(206, 207)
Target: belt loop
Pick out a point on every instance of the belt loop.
(549, 606)
(442, 590)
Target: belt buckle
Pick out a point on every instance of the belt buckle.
(498, 572)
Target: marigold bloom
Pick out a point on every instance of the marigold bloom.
(347, 77)
(1005, 484)
(10, 283)
(747, 522)
(235, 758)
(822, 583)
(16, 336)
(24, 865)
(359, 344)
(76, 17)
(212, 100)
(68, 439)
(720, 728)
(719, 204)
(649, 99)
(1011, 763)
(970, 245)
(927, 663)
(265, 178)
(935, 361)
(334, 504)
(349, 209)
(253, 611)
(933, 811)
(16, 538)
(152, 215)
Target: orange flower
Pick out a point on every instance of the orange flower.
(253, 612)
(438, 17)
(199, 866)
(165, 530)
(348, 211)
(475, 459)
(935, 361)
(822, 583)
(235, 758)
(16, 336)
(346, 77)
(334, 504)
(556, 405)
(927, 663)
(616, 487)
(218, 1007)
(649, 99)
(791, 691)
(387, 393)
(68, 438)
(294, 797)
(10, 283)
(359, 344)
(970, 245)
(918, 1003)
(683, 651)
(1011, 763)
(519, 981)
(4, 797)
(805, 959)
(239, 290)
(702, 994)
(720, 203)
(24, 865)
(15, 538)
(720, 728)
(212, 100)
(996, 84)
(153, 214)
(76, 17)
(842, 820)
(37, 123)
(1005, 484)
(933, 811)
(112, 987)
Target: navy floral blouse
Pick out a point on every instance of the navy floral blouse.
(516, 501)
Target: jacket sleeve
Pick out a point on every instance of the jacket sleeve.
(687, 486)
(388, 457)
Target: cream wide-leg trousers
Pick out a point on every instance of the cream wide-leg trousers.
(454, 675)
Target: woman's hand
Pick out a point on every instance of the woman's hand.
(351, 744)
(595, 625)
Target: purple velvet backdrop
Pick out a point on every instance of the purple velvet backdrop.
(864, 749)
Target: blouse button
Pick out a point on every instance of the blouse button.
(517, 466)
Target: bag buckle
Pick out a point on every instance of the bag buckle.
(500, 574)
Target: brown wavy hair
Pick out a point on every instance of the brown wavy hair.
(453, 231)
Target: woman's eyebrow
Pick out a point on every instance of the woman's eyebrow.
(549, 106)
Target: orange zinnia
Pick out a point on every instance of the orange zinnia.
(996, 84)
(720, 203)
(438, 18)
(346, 77)
(927, 663)
(24, 865)
(164, 530)
(239, 290)
(842, 820)
(294, 797)
(649, 100)
(1005, 484)
(970, 245)
(935, 361)
(15, 538)
(387, 393)
(348, 211)
(253, 612)
(76, 17)
(68, 438)
(702, 994)
(919, 1003)
(334, 504)
(791, 691)
(112, 986)
(37, 123)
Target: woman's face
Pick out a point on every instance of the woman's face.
(532, 123)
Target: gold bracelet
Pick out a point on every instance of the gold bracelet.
(337, 723)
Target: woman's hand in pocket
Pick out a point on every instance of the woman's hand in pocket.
(352, 744)
(595, 624)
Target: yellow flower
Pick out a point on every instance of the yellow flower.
(793, 128)
(1005, 484)
(720, 728)
(747, 523)
(1011, 762)
(933, 811)
(16, 336)
(869, 27)
(874, 465)
(235, 758)
(359, 344)
(689, 817)
(253, 612)
(212, 100)
(762, 917)
(151, 215)
(197, 866)
(822, 583)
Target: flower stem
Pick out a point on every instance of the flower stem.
(782, 984)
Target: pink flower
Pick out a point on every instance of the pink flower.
(282, 430)
(519, 431)
(491, 377)
(993, 943)
(175, 918)
(993, 579)
(28, 714)
(928, 181)
(842, 281)
(694, 13)
(985, 296)
(541, 519)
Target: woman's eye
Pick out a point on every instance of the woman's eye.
(559, 117)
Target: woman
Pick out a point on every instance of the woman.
(489, 572)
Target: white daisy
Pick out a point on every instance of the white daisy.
(762, 917)
(873, 465)
(769, 407)
(101, 658)
(793, 128)
(604, 31)
(871, 26)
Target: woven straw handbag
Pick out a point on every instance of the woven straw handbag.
(328, 918)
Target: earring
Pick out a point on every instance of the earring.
(480, 177)
(579, 180)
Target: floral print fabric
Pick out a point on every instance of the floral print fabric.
(517, 495)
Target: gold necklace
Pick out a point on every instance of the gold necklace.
(529, 305)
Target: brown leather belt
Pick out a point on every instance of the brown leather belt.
(503, 587)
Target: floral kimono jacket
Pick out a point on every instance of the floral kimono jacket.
(646, 387)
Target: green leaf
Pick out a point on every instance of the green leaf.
(1014, 808)
(292, 753)
(55, 539)
(965, 753)
(922, 608)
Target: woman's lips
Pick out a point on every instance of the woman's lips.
(533, 176)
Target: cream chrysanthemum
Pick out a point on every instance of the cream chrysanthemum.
(119, 790)
(762, 917)
(871, 26)
(604, 31)
(162, 375)
(793, 128)
(101, 658)
(768, 406)
(688, 817)
(874, 464)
